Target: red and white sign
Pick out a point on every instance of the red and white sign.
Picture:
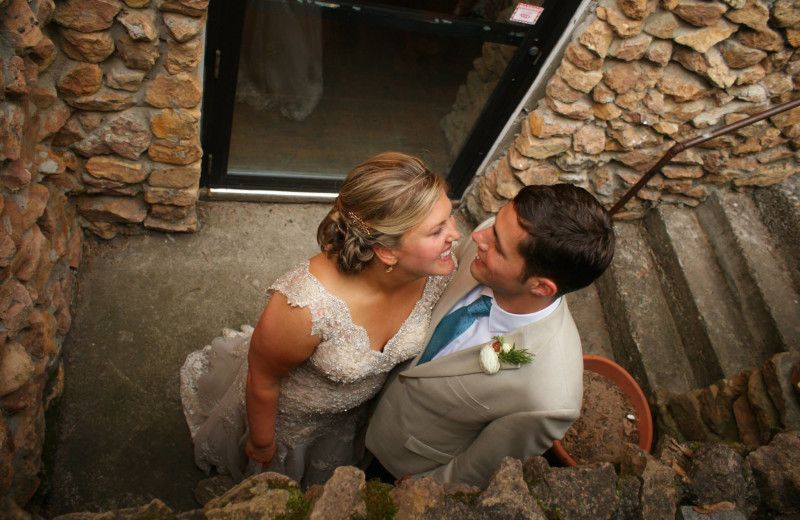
(526, 13)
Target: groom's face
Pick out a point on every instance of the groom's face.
(498, 263)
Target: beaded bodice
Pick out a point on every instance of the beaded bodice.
(344, 371)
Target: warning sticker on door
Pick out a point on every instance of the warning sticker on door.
(526, 13)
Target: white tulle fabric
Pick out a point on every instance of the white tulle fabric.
(322, 401)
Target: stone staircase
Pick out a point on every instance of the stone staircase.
(697, 295)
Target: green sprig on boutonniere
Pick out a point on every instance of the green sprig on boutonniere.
(492, 354)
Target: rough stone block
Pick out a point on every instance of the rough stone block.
(341, 496)
(175, 151)
(112, 209)
(507, 494)
(698, 13)
(573, 490)
(766, 415)
(87, 15)
(20, 25)
(597, 37)
(746, 422)
(776, 469)
(187, 224)
(703, 39)
(658, 497)
(179, 91)
(16, 367)
(104, 100)
(93, 47)
(685, 410)
(719, 474)
(175, 177)
(183, 57)
(180, 123)
(415, 497)
(777, 372)
(80, 79)
(623, 26)
(183, 28)
(716, 404)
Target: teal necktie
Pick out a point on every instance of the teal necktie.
(454, 324)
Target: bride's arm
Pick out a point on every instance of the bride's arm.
(281, 340)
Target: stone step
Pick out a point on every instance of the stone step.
(712, 331)
(779, 206)
(587, 311)
(644, 337)
(756, 273)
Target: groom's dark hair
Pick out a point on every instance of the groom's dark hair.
(570, 237)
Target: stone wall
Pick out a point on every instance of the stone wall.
(698, 481)
(640, 75)
(130, 81)
(40, 244)
(749, 408)
(98, 111)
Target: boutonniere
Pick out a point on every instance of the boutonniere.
(492, 354)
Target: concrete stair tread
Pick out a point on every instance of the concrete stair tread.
(586, 310)
(779, 206)
(755, 270)
(644, 336)
(713, 332)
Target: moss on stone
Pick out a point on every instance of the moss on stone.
(468, 499)
(551, 513)
(380, 505)
(297, 507)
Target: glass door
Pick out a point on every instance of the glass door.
(298, 93)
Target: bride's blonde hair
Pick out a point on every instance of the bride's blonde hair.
(379, 201)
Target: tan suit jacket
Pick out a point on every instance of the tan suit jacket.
(449, 420)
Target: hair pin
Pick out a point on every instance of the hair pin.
(359, 223)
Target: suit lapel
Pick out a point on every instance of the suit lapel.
(530, 337)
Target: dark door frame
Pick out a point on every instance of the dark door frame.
(224, 39)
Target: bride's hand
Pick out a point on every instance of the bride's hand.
(263, 455)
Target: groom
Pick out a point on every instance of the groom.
(442, 416)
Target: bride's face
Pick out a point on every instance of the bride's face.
(426, 249)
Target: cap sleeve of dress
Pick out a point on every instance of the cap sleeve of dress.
(299, 287)
(302, 289)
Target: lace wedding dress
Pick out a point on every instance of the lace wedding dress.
(322, 401)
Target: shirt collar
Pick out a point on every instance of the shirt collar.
(501, 321)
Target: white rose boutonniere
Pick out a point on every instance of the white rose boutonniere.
(489, 361)
(491, 355)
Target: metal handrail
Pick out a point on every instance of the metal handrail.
(681, 146)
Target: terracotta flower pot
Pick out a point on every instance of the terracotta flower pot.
(617, 375)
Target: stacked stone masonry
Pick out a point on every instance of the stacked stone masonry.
(99, 128)
(699, 481)
(749, 408)
(129, 79)
(639, 76)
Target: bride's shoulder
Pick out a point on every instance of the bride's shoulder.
(298, 285)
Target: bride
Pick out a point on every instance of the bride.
(290, 394)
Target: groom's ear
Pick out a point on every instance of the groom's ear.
(385, 255)
(543, 287)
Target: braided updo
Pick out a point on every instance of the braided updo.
(379, 201)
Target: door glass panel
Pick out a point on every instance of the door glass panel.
(316, 96)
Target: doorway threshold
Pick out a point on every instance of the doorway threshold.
(246, 195)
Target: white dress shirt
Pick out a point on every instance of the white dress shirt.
(497, 323)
